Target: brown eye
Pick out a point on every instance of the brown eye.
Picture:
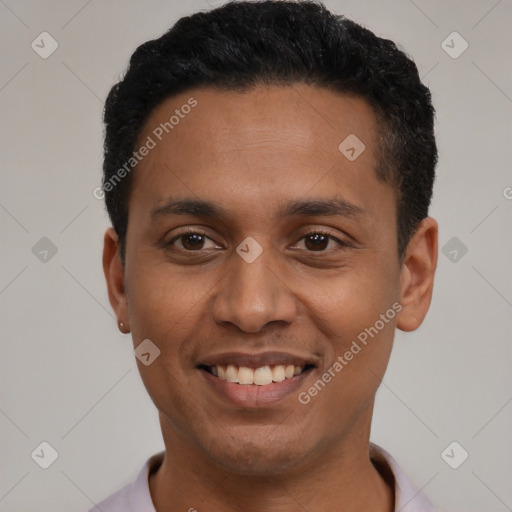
(192, 241)
(317, 241)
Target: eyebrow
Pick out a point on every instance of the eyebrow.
(317, 207)
(193, 207)
(211, 210)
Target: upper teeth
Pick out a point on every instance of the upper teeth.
(260, 376)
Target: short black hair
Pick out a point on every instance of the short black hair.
(245, 44)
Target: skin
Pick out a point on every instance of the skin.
(251, 153)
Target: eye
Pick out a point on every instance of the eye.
(320, 242)
(192, 240)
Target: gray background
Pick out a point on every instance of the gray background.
(69, 377)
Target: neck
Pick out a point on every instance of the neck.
(340, 477)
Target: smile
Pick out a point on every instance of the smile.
(256, 380)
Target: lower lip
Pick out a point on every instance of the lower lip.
(252, 395)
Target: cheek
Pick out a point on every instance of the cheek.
(352, 300)
(164, 302)
(357, 314)
(163, 308)
(344, 391)
(363, 326)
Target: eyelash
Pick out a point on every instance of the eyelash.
(196, 231)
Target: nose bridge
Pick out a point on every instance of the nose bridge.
(252, 294)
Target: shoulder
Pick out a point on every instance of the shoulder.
(134, 496)
(408, 498)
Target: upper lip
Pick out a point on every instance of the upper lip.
(258, 360)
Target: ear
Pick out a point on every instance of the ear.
(417, 275)
(114, 274)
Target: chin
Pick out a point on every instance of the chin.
(248, 455)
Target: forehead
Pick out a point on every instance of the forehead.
(251, 146)
(296, 116)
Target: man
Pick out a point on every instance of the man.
(268, 173)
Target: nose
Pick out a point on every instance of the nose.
(253, 295)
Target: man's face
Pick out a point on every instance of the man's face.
(321, 279)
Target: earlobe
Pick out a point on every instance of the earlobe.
(417, 275)
(114, 275)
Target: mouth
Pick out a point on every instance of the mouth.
(251, 381)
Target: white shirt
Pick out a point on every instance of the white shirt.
(135, 496)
